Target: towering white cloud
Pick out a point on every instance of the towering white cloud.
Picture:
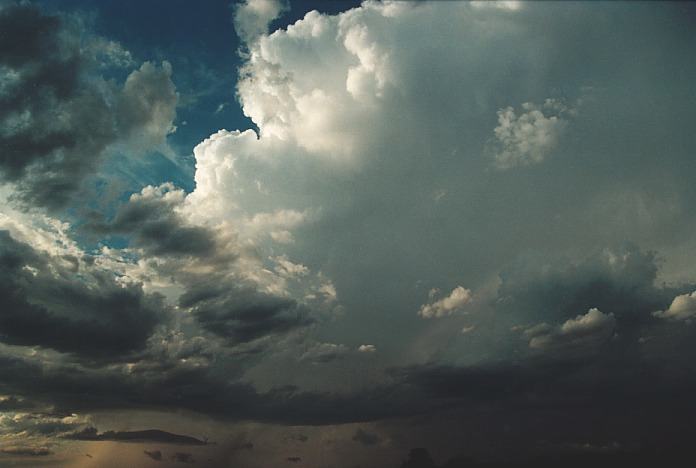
(362, 127)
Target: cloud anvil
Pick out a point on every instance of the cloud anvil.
(380, 234)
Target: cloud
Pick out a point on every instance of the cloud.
(683, 307)
(243, 315)
(252, 17)
(288, 269)
(27, 451)
(12, 403)
(359, 125)
(20, 426)
(330, 207)
(58, 115)
(531, 136)
(589, 330)
(457, 299)
(152, 222)
(213, 271)
(324, 352)
(619, 280)
(147, 106)
(367, 348)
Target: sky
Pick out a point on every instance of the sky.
(342, 234)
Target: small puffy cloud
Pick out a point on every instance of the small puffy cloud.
(252, 17)
(457, 299)
(528, 137)
(683, 307)
(593, 328)
(288, 269)
(512, 5)
(367, 348)
(468, 329)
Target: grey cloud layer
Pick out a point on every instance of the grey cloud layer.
(58, 115)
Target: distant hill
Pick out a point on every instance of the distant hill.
(149, 435)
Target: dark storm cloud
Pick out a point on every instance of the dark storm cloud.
(46, 302)
(366, 438)
(203, 262)
(57, 116)
(13, 403)
(418, 458)
(243, 315)
(610, 384)
(629, 376)
(199, 389)
(150, 219)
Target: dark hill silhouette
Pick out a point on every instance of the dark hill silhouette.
(149, 435)
(672, 458)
